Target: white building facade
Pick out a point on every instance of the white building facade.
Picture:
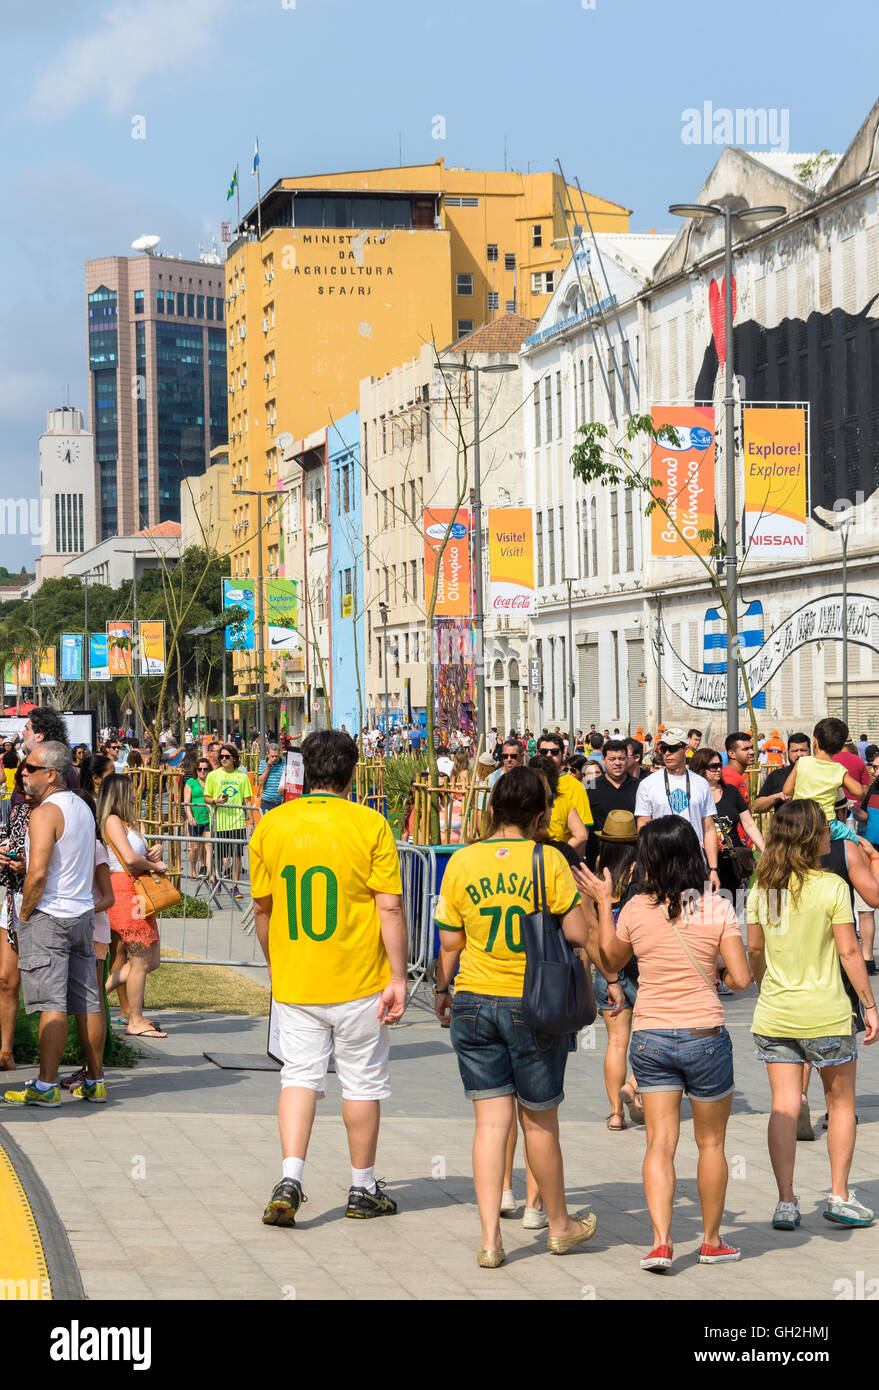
(67, 492)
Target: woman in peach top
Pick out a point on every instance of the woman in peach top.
(676, 927)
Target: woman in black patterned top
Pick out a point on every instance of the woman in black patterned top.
(12, 868)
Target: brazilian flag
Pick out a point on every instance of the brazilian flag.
(232, 186)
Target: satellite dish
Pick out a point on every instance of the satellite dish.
(145, 243)
(283, 441)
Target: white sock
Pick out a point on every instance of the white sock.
(293, 1168)
(363, 1177)
(46, 1085)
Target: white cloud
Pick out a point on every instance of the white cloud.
(131, 42)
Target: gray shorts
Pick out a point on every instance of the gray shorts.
(56, 957)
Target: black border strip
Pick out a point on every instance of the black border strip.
(64, 1274)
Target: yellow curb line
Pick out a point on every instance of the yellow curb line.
(23, 1270)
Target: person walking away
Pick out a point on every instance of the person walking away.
(128, 859)
(818, 777)
(800, 927)
(328, 912)
(486, 890)
(56, 926)
(679, 1042)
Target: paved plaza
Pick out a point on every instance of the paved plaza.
(161, 1191)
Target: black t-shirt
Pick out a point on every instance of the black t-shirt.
(775, 781)
(729, 809)
(604, 797)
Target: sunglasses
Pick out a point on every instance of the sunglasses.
(550, 752)
(509, 757)
(226, 758)
(713, 767)
(34, 767)
(671, 747)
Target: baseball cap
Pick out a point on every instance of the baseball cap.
(672, 736)
(486, 760)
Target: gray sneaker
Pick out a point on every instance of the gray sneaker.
(787, 1216)
(848, 1211)
(534, 1219)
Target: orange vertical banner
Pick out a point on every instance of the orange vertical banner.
(685, 474)
(453, 591)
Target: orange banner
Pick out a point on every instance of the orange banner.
(686, 481)
(119, 641)
(511, 559)
(453, 590)
(776, 476)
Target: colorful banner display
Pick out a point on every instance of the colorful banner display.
(511, 560)
(24, 674)
(99, 657)
(776, 481)
(240, 593)
(9, 680)
(47, 666)
(152, 648)
(71, 656)
(453, 589)
(282, 615)
(119, 642)
(686, 481)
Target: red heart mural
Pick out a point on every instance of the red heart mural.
(716, 294)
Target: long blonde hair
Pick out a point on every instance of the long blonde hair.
(793, 848)
(114, 799)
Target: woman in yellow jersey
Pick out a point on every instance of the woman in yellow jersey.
(486, 891)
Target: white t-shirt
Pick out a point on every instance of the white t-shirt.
(651, 800)
(102, 921)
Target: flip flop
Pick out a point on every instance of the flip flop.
(632, 1101)
(145, 1033)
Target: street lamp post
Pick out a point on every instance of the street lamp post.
(844, 529)
(744, 214)
(243, 492)
(478, 615)
(570, 583)
(384, 613)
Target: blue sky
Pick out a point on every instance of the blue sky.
(335, 84)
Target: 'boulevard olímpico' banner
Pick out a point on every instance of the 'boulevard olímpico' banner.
(686, 481)
(453, 589)
(776, 481)
(511, 559)
(120, 640)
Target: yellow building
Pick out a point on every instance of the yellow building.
(338, 277)
(204, 506)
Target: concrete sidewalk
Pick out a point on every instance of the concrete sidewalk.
(162, 1190)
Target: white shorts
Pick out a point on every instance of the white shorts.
(102, 929)
(861, 906)
(351, 1033)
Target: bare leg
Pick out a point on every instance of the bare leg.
(867, 933)
(662, 1118)
(710, 1119)
(118, 960)
(92, 1031)
(52, 1042)
(545, 1157)
(361, 1121)
(785, 1079)
(10, 978)
(618, 1032)
(839, 1093)
(296, 1107)
(510, 1155)
(142, 961)
(494, 1119)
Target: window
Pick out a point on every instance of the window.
(181, 306)
(552, 674)
(491, 252)
(591, 388)
(464, 284)
(190, 305)
(387, 585)
(406, 647)
(160, 301)
(614, 532)
(378, 647)
(346, 487)
(138, 301)
(510, 260)
(414, 567)
(199, 306)
(536, 234)
(464, 327)
(510, 306)
(547, 407)
(563, 569)
(219, 304)
(558, 405)
(540, 550)
(385, 508)
(542, 281)
(593, 535)
(584, 538)
(550, 543)
(412, 497)
(494, 300)
(537, 416)
(169, 302)
(612, 382)
(209, 303)
(462, 202)
(384, 425)
(582, 393)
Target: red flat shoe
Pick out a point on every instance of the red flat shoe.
(659, 1260)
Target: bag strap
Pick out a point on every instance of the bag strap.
(539, 878)
(691, 957)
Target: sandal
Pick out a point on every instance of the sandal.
(631, 1099)
(123, 1020)
(151, 1032)
(621, 1122)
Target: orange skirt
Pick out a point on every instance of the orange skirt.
(126, 917)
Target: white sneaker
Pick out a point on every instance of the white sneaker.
(508, 1203)
(534, 1219)
(786, 1216)
(847, 1211)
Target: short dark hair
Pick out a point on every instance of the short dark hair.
(830, 735)
(555, 739)
(636, 746)
(670, 862)
(48, 722)
(597, 740)
(731, 740)
(516, 799)
(615, 745)
(691, 732)
(511, 743)
(870, 752)
(330, 758)
(548, 769)
(798, 738)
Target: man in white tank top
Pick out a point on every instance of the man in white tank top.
(56, 926)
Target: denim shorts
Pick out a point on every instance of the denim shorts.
(671, 1059)
(499, 1055)
(630, 992)
(818, 1052)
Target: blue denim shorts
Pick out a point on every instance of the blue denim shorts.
(671, 1059)
(630, 992)
(498, 1054)
(818, 1052)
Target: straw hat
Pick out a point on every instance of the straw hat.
(619, 827)
(486, 760)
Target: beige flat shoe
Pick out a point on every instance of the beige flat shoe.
(560, 1245)
(490, 1259)
(7, 1062)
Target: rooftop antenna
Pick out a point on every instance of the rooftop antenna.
(400, 142)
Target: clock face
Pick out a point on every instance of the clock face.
(67, 451)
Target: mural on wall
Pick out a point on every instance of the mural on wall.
(455, 675)
(714, 641)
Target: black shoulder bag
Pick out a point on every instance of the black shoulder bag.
(557, 996)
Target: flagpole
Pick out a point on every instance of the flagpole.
(258, 197)
(238, 196)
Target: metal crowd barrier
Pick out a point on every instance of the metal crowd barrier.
(418, 871)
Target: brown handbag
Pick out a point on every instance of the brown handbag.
(155, 892)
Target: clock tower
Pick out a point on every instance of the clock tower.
(67, 492)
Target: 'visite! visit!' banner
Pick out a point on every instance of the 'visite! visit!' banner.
(511, 559)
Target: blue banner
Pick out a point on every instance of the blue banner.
(240, 593)
(99, 657)
(71, 656)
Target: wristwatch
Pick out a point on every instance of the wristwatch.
(446, 990)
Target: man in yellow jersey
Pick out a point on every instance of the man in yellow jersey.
(328, 911)
(571, 791)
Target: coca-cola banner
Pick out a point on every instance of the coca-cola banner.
(511, 560)
(447, 543)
